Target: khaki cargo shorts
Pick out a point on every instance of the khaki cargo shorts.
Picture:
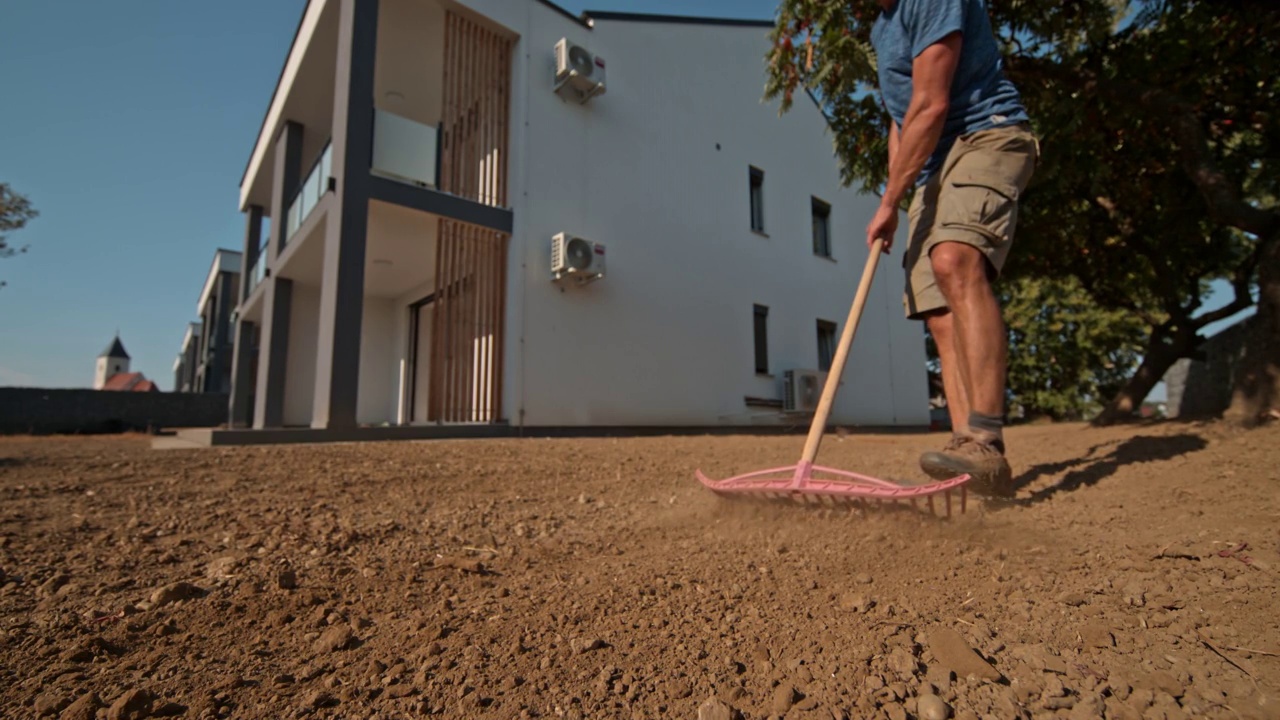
(972, 200)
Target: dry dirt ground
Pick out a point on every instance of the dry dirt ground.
(1135, 576)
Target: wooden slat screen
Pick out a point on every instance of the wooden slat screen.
(467, 331)
(476, 119)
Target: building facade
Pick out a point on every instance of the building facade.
(204, 363)
(424, 169)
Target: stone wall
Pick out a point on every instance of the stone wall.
(1202, 387)
(40, 411)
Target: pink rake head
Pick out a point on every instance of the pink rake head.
(797, 482)
(836, 487)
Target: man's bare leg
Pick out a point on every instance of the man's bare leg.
(981, 347)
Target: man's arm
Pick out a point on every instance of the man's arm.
(911, 146)
(931, 76)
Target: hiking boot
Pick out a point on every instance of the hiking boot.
(980, 458)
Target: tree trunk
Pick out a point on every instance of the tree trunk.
(1156, 361)
(1256, 394)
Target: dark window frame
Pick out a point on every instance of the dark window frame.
(826, 344)
(821, 218)
(760, 331)
(756, 188)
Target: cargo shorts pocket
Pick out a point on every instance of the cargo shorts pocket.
(981, 202)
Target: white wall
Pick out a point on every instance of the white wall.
(667, 337)
(300, 365)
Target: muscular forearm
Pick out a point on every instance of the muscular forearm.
(912, 146)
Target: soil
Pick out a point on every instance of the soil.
(1134, 576)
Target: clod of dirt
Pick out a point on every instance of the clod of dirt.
(287, 580)
(85, 708)
(338, 637)
(783, 698)
(954, 653)
(1097, 636)
(466, 565)
(175, 592)
(51, 586)
(321, 699)
(132, 705)
(932, 707)
(50, 703)
(1073, 599)
(223, 567)
(895, 711)
(902, 662)
(1162, 682)
(586, 646)
(862, 579)
(714, 709)
(856, 602)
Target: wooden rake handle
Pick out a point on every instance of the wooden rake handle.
(819, 424)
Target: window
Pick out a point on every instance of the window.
(757, 200)
(826, 344)
(761, 315)
(821, 228)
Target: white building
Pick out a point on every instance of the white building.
(417, 162)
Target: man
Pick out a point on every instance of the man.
(961, 136)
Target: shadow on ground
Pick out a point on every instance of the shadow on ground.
(1094, 467)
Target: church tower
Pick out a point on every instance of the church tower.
(112, 360)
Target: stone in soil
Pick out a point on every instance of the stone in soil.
(1097, 636)
(954, 653)
(784, 696)
(175, 592)
(932, 707)
(714, 709)
(132, 705)
(51, 702)
(338, 637)
(84, 708)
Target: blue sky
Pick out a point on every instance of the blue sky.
(128, 125)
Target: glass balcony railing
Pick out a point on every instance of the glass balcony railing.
(313, 188)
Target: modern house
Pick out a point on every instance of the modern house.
(437, 185)
(184, 367)
(203, 364)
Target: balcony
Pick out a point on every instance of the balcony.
(405, 150)
(318, 181)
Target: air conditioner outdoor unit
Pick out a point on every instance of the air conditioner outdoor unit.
(575, 258)
(801, 390)
(579, 72)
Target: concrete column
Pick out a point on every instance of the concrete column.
(277, 295)
(273, 353)
(222, 353)
(249, 257)
(342, 279)
(284, 185)
(242, 380)
(239, 411)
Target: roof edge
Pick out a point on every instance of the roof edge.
(284, 65)
(675, 19)
(580, 19)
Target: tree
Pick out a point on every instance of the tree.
(1067, 353)
(1157, 119)
(15, 212)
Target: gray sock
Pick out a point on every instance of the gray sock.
(991, 424)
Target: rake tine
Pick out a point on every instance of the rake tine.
(948, 494)
(932, 511)
(964, 496)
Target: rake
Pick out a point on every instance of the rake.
(808, 483)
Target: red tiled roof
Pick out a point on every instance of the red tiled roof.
(130, 382)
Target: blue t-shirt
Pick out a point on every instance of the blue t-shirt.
(981, 96)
